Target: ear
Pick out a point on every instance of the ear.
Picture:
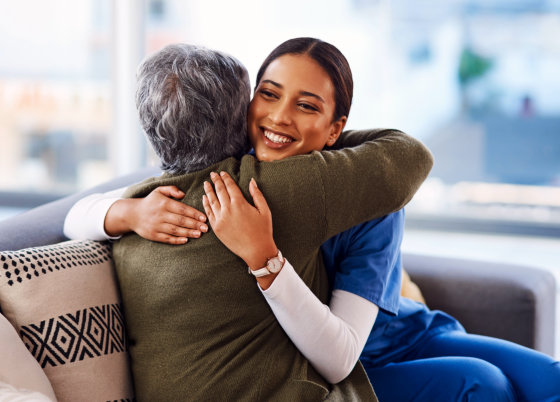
(336, 130)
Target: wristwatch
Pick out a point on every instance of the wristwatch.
(273, 266)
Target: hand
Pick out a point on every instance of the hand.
(157, 217)
(244, 229)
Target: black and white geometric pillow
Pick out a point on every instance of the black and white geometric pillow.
(63, 299)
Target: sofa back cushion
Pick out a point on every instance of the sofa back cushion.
(64, 302)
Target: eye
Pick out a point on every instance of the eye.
(308, 107)
(267, 94)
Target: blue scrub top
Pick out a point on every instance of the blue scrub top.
(366, 260)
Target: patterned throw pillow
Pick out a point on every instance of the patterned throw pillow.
(64, 302)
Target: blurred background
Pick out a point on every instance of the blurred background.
(478, 81)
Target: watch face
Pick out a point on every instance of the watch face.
(274, 265)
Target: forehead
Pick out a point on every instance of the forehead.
(300, 73)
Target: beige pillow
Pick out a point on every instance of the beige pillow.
(64, 302)
(19, 371)
(411, 290)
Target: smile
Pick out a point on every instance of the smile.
(277, 138)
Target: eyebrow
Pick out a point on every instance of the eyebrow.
(304, 93)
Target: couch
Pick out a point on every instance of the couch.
(507, 301)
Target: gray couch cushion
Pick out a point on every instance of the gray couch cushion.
(507, 301)
(43, 225)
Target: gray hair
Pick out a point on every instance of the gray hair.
(192, 103)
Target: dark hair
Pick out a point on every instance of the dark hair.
(328, 57)
(192, 103)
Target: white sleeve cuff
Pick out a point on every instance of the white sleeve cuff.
(86, 219)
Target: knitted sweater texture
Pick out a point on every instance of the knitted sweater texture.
(200, 329)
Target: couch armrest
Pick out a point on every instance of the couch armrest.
(512, 302)
(43, 225)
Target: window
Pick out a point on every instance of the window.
(55, 95)
(477, 81)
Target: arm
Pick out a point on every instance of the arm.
(85, 220)
(156, 217)
(247, 232)
(372, 179)
(353, 138)
(342, 328)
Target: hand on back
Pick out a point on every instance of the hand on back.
(158, 217)
(245, 229)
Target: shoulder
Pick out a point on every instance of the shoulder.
(365, 237)
(387, 224)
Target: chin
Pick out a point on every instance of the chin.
(268, 156)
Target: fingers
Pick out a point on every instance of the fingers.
(212, 199)
(258, 197)
(183, 222)
(186, 211)
(165, 238)
(170, 191)
(208, 209)
(221, 191)
(179, 231)
(231, 187)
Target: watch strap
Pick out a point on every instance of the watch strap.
(260, 272)
(265, 270)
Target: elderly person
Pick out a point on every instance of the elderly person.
(199, 327)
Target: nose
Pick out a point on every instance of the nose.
(280, 114)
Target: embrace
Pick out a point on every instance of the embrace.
(294, 296)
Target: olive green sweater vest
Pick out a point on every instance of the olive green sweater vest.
(199, 327)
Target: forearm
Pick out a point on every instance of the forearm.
(117, 219)
(332, 339)
(373, 179)
(86, 218)
(354, 138)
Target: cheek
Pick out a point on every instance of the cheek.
(252, 119)
(317, 132)
(257, 108)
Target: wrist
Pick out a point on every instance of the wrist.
(260, 256)
(119, 218)
(266, 281)
(267, 274)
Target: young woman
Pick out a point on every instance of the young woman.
(301, 103)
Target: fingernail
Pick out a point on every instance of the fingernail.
(184, 240)
(222, 173)
(204, 228)
(196, 233)
(213, 174)
(202, 218)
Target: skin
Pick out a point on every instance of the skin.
(290, 114)
(295, 102)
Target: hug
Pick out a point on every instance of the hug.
(288, 286)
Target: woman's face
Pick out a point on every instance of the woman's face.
(292, 110)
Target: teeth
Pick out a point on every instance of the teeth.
(279, 139)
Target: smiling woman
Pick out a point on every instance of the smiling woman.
(302, 99)
(292, 111)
